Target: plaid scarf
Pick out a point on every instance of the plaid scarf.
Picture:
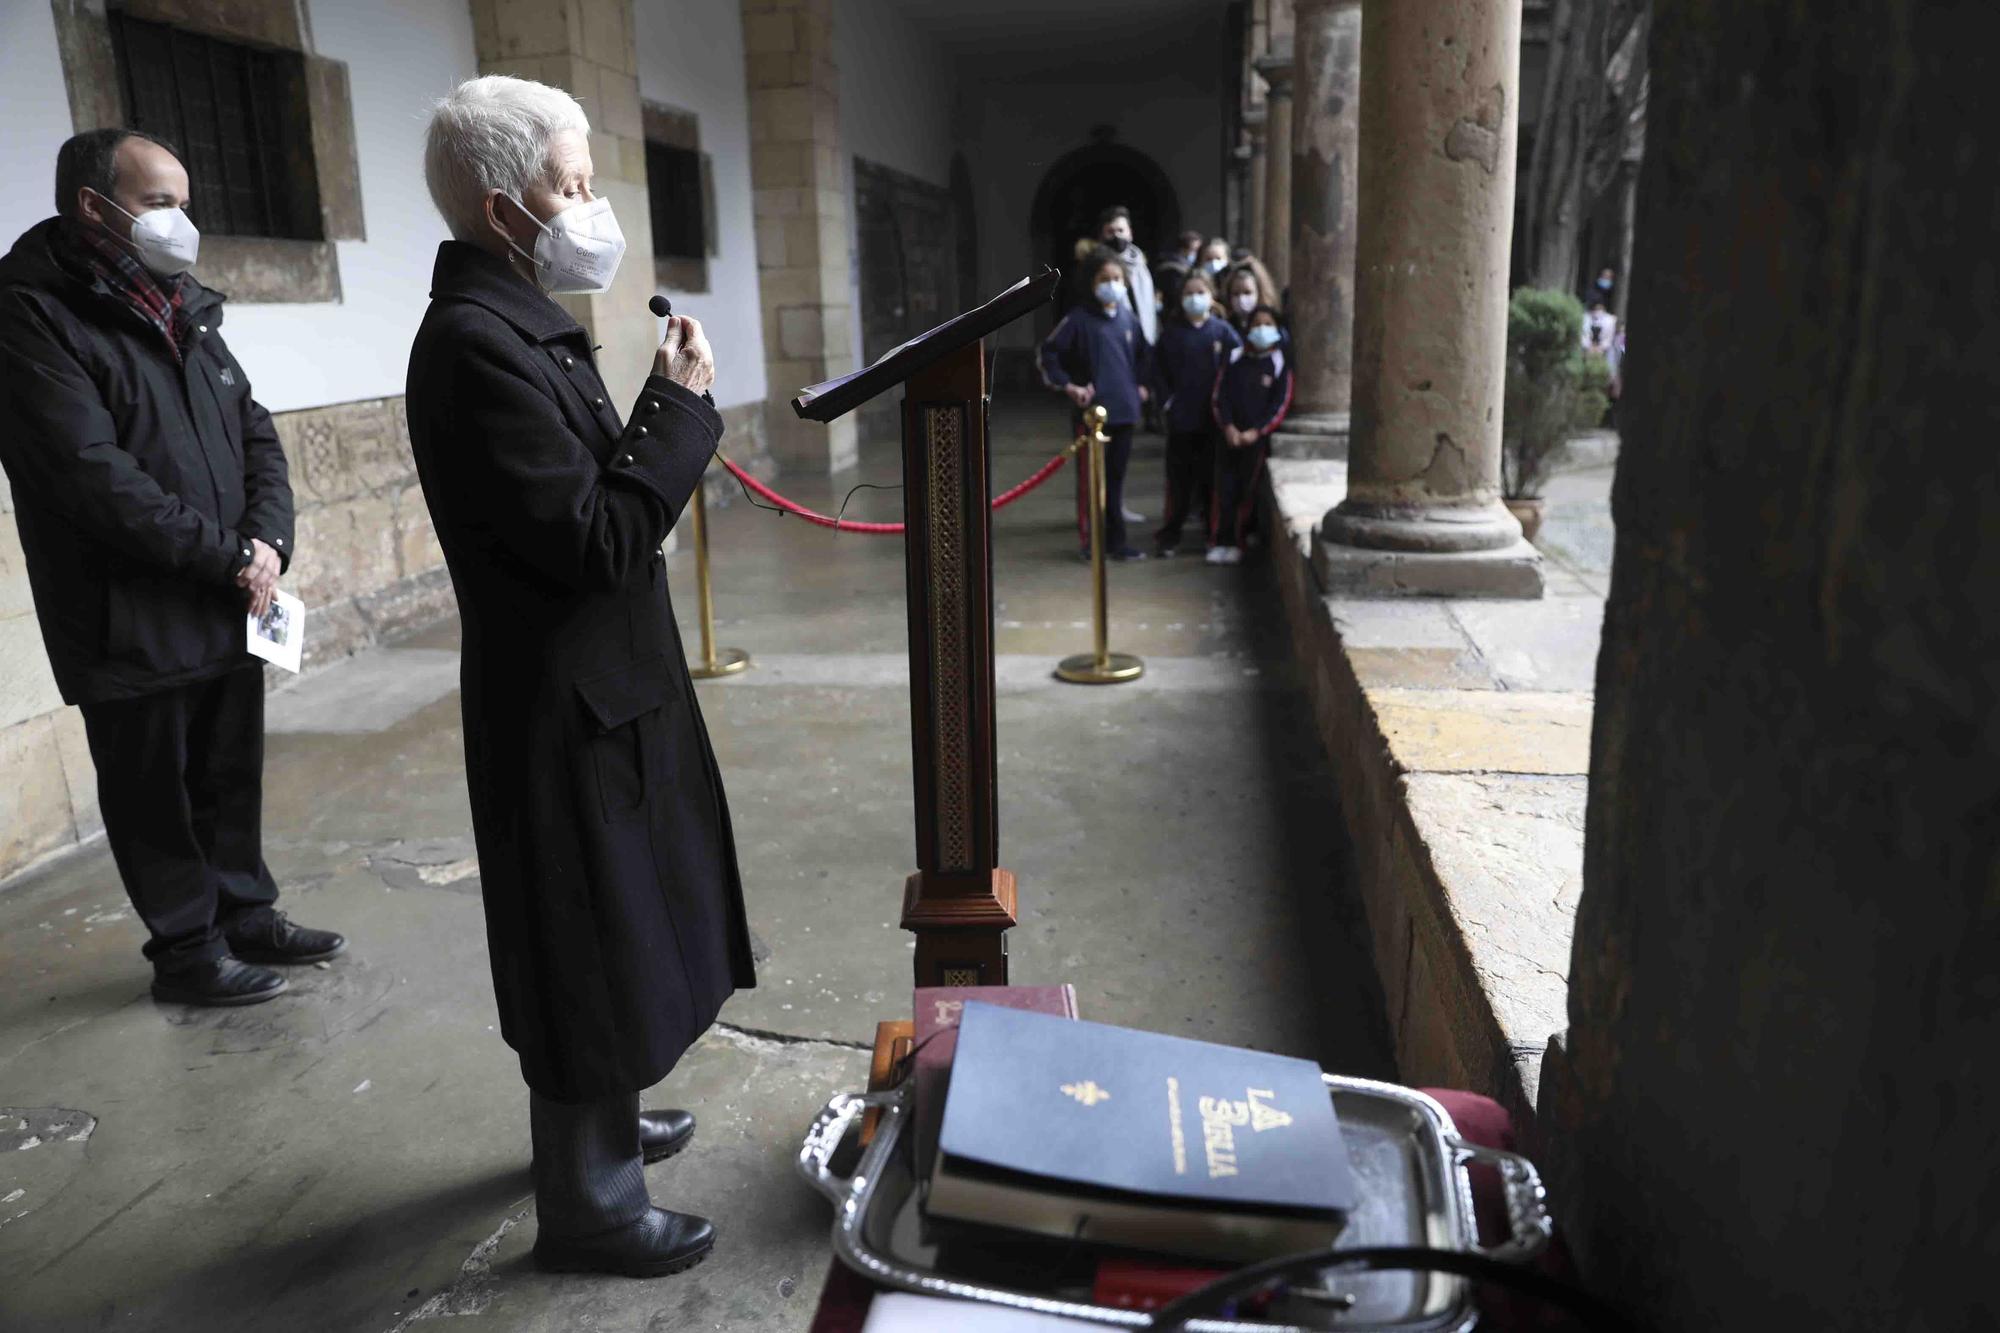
(88, 252)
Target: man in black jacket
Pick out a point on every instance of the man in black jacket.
(154, 512)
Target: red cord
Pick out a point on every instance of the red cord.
(1046, 471)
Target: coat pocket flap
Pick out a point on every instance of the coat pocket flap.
(615, 697)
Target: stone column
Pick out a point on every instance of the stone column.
(586, 47)
(800, 199)
(1274, 245)
(1439, 93)
(1326, 118)
(1260, 163)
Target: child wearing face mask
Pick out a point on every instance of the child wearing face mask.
(1245, 288)
(1252, 395)
(1194, 346)
(1098, 354)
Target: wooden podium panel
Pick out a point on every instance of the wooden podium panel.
(959, 902)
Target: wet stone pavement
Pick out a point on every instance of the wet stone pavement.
(353, 1155)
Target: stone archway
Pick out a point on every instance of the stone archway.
(1082, 184)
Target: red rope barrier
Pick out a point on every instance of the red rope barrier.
(1042, 474)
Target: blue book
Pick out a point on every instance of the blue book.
(1137, 1140)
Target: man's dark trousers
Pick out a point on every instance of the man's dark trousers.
(180, 783)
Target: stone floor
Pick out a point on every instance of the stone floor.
(352, 1156)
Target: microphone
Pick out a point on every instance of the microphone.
(661, 306)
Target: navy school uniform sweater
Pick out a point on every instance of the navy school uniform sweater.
(1106, 349)
(1254, 391)
(1185, 367)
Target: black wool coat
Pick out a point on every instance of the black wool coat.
(138, 480)
(614, 912)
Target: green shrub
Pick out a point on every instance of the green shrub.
(1553, 389)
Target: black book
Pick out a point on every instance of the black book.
(835, 397)
(1117, 1137)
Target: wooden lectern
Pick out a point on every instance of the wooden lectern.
(960, 902)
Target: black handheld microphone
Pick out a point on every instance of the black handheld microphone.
(661, 306)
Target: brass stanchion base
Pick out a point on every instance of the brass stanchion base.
(728, 661)
(1083, 669)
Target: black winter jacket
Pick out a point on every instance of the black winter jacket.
(138, 483)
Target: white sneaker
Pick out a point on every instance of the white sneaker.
(1217, 555)
(1133, 516)
(1231, 555)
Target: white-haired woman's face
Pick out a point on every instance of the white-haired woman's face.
(570, 178)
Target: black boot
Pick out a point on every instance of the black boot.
(664, 1133)
(224, 983)
(270, 937)
(658, 1243)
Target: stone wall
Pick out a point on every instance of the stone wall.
(1780, 1107)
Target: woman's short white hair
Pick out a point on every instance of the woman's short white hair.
(493, 133)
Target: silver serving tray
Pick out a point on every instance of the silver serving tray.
(1409, 1177)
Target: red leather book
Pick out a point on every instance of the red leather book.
(937, 1011)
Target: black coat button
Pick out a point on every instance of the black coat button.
(626, 460)
(597, 402)
(568, 362)
(652, 405)
(642, 432)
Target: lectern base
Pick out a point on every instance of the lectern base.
(728, 661)
(1084, 669)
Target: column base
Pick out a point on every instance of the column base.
(1312, 435)
(1514, 571)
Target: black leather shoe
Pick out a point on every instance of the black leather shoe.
(664, 1133)
(221, 984)
(659, 1243)
(270, 937)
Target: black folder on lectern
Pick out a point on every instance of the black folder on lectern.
(835, 397)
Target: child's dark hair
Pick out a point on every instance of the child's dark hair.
(1112, 214)
(1102, 256)
(1276, 318)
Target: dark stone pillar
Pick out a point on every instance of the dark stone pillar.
(1326, 119)
(1780, 1106)
(1440, 88)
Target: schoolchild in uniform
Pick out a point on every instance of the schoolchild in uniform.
(1097, 354)
(1252, 395)
(1195, 344)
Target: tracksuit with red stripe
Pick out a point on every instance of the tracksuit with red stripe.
(1253, 393)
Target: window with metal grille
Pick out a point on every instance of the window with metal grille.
(239, 116)
(673, 186)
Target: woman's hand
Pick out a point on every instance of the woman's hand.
(685, 356)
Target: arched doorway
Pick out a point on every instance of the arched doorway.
(1081, 185)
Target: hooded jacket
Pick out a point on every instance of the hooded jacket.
(138, 482)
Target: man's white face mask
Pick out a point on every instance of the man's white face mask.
(579, 248)
(165, 238)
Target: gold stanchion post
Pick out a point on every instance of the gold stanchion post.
(714, 661)
(1100, 666)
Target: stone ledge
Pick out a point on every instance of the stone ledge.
(1461, 733)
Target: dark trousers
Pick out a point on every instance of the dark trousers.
(589, 1175)
(180, 783)
(1190, 470)
(1236, 473)
(1117, 455)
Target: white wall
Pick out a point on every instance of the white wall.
(402, 55)
(895, 91)
(691, 57)
(34, 115)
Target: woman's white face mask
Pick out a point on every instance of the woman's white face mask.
(579, 248)
(166, 240)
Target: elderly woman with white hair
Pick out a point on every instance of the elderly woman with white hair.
(614, 913)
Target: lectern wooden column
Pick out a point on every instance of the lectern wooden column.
(960, 903)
